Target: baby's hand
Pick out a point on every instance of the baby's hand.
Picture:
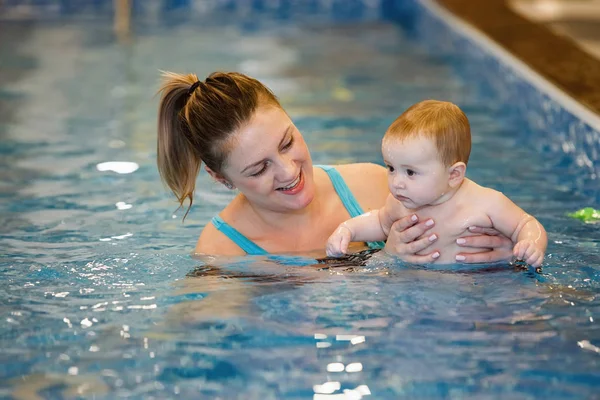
(337, 244)
(530, 252)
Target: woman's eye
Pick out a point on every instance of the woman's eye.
(288, 144)
(262, 171)
(410, 172)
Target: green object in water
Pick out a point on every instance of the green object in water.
(587, 215)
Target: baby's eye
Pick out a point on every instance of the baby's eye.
(390, 168)
(410, 172)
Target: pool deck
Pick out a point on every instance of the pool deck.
(560, 39)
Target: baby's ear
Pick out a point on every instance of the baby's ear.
(456, 173)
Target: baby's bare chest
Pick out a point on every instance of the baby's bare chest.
(452, 222)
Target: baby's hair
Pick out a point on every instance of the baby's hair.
(441, 121)
(196, 122)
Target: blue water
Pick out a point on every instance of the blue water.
(101, 299)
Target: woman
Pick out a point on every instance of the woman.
(236, 126)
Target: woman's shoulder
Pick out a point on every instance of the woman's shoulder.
(364, 169)
(213, 242)
(368, 183)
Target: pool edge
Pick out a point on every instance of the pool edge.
(527, 72)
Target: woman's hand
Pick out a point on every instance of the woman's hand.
(499, 247)
(401, 240)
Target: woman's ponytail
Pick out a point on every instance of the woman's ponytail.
(196, 120)
(178, 159)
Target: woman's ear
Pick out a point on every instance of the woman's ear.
(219, 178)
(212, 173)
(456, 173)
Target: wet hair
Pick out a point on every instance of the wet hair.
(197, 121)
(441, 121)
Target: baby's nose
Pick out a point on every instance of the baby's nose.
(398, 183)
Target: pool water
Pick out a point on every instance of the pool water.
(101, 299)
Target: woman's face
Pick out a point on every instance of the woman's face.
(270, 163)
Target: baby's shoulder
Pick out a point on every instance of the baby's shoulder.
(484, 199)
(476, 192)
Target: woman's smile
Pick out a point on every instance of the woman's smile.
(294, 187)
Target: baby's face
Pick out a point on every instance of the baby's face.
(416, 176)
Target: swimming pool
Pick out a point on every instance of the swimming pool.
(100, 298)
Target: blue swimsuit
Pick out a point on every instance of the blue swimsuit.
(348, 199)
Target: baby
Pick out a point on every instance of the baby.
(426, 151)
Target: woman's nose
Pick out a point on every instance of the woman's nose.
(288, 169)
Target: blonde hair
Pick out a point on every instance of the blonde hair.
(196, 121)
(441, 121)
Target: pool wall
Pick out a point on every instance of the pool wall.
(554, 124)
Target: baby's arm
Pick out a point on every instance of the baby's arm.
(523, 229)
(369, 227)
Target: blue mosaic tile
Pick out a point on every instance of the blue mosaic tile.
(547, 126)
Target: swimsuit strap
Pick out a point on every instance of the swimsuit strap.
(236, 237)
(348, 199)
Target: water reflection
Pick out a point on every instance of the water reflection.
(29, 387)
(227, 293)
(120, 167)
(78, 305)
(274, 326)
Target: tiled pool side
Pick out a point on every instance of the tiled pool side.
(555, 124)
